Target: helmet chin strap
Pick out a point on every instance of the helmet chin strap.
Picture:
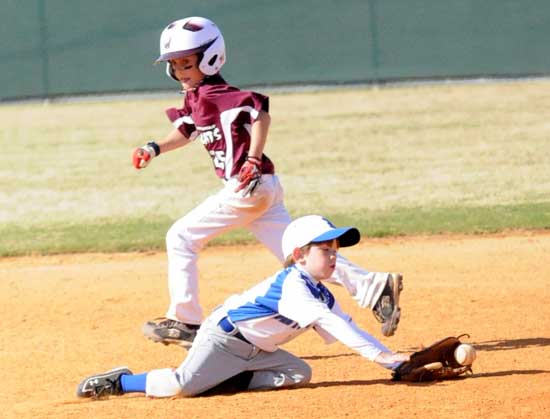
(185, 91)
(191, 89)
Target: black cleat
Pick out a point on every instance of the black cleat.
(169, 331)
(105, 384)
(386, 310)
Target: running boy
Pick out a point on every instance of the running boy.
(242, 337)
(233, 126)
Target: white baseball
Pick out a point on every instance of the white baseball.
(465, 354)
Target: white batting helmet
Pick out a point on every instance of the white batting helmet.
(190, 36)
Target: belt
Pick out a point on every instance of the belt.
(229, 328)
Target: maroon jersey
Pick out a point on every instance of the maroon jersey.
(223, 116)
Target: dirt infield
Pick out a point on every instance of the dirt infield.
(65, 317)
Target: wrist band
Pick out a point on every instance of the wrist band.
(155, 147)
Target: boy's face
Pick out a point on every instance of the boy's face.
(187, 71)
(320, 259)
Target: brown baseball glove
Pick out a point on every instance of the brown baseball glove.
(436, 362)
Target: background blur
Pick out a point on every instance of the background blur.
(57, 47)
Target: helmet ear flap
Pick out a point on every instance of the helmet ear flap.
(213, 57)
(170, 71)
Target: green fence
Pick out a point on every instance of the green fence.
(60, 47)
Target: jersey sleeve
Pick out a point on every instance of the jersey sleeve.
(182, 120)
(340, 326)
(261, 102)
(332, 324)
(252, 101)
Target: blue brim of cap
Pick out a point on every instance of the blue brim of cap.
(347, 236)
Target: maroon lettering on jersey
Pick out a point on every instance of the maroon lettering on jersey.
(223, 116)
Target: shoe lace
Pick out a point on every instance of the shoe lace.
(176, 324)
(384, 307)
(163, 321)
(110, 387)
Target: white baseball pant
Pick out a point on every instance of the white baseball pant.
(263, 214)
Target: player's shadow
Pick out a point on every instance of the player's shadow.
(510, 372)
(228, 389)
(316, 357)
(387, 381)
(508, 344)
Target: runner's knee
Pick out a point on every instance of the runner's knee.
(177, 239)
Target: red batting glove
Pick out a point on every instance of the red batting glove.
(143, 155)
(249, 176)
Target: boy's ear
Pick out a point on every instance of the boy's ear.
(297, 254)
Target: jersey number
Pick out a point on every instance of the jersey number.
(218, 157)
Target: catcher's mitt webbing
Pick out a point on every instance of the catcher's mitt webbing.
(436, 362)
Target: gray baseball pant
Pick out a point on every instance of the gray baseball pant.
(217, 356)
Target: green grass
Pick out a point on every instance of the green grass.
(145, 235)
(394, 161)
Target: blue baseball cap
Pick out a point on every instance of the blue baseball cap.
(316, 229)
